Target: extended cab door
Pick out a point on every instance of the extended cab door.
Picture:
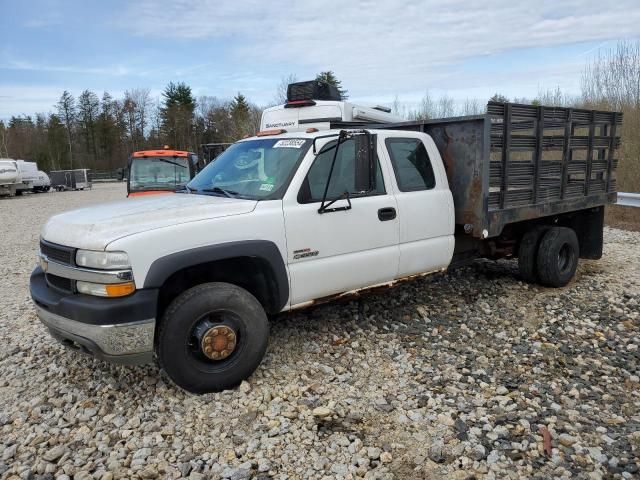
(425, 204)
(334, 252)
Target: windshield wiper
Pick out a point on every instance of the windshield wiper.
(171, 162)
(226, 193)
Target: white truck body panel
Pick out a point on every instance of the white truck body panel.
(423, 227)
(353, 247)
(96, 226)
(250, 221)
(321, 115)
(345, 250)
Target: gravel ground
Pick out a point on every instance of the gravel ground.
(461, 375)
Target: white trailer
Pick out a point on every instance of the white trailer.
(28, 176)
(9, 177)
(42, 184)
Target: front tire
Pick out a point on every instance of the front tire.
(558, 257)
(191, 324)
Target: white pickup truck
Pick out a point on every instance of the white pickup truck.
(289, 219)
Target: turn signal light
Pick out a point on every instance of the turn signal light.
(109, 290)
(120, 289)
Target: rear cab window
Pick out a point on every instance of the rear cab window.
(411, 164)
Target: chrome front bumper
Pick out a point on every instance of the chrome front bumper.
(127, 343)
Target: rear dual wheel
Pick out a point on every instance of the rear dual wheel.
(212, 337)
(549, 255)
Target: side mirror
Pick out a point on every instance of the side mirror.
(365, 162)
(120, 174)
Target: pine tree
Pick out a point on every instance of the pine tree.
(177, 114)
(498, 97)
(330, 78)
(240, 116)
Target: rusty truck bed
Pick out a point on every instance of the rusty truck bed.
(520, 162)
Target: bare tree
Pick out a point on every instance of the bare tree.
(4, 152)
(67, 113)
(613, 78)
(137, 103)
(446, 107)
(281, 90)
(426, 109)
(472, 106)
(555, 98)
(88, 111)
(612, 82)
(142, 98)
(398, 108)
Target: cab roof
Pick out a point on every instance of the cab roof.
(160, 153)
(311, 135)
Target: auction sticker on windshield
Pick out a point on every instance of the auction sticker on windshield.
(289, 143)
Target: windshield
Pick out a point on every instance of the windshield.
(153, 173)
(255, 169)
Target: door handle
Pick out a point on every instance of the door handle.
(388, 213)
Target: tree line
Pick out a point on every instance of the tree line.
(100, 132)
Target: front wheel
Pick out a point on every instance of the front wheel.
(212, 337)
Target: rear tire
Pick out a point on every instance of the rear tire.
(199, 310)
(528, 253)
(558, 257)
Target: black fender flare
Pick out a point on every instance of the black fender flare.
(162, 268)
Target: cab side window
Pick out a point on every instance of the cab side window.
(411, 164)
(342, 179)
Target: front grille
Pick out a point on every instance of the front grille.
(57, 253)
(60, 283)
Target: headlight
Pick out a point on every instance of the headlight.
(102, 260)
(110, 290)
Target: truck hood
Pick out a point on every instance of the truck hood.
(94, 227)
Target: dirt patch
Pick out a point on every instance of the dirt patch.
(625, 218)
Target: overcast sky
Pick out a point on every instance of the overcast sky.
(468, 49)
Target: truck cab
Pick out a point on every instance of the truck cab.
(153, 172)
(290, 219)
